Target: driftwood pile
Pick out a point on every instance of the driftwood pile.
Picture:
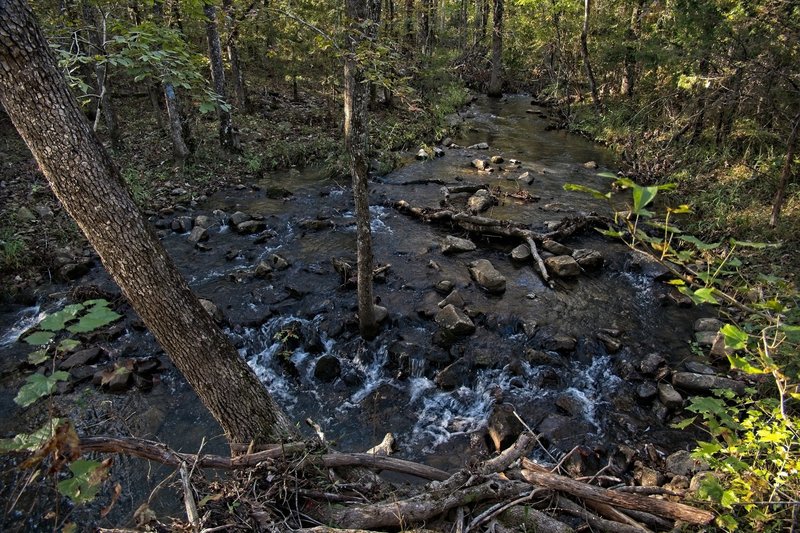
(302, 486)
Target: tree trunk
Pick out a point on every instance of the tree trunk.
(228, 136)
(632, 35)
(410, 38)
(425, 27)
(786, 173)
(86, 181)
(97, 37)
(587, 7)
(496, 80)
(356, 137)
(239, 87)
(152, 92)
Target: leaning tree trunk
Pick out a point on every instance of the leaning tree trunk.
(496, 81)
(356, 135)
(86, 181)
(587, 7)
(228, 136)
(786, 173)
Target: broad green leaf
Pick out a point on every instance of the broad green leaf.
(706, 296)
(707, 404)
(87, 477)
(38, 357)
(57, 321)
(700, 245)
(583, 188)
(642, 196)
(97, 317)
(102, 302)
(39, 338)
(735, 338)
(67, 345)
(30, 441)
(740, 363)
(728, 499)
(37, 386)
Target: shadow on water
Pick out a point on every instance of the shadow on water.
(295, 324)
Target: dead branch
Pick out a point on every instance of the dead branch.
(594, 521)
(615, 515)
(522, 446)
(663, 508)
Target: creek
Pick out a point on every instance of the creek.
(535, 349)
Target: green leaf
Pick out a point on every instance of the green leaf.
(583, 188)
(67, 345)
(97, 317)
(39, 338)
(706, 295)
(642, 196)
(38, 357)
(207, 107)
(740, 363)
(606, 174)
(735, 338)
(683, 424)
(57, 321)
(30, 441)
(756, 245)
(37, 386)
(610, 233)
(700, 245)
(792, 332)
(85, 483)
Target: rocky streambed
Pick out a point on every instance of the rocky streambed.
(476, 343)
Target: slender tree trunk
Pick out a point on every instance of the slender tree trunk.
(496, 80)
(587, 7)
(239, 87)
(356, 137)
(410, 37)
(96, 23)
(786, 173)
(228, 136)
(632, 36)
(425, 27)
(152, 92)
(88, 184)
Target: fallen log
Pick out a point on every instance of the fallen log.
(663, 508)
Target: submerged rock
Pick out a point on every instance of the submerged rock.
(487, 277)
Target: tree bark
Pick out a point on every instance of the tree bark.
(786, 173)
(228, 136)
(239, 87)
(587, 8)
(97, 37)
(496, 80)
(86, 181)
(356, 136)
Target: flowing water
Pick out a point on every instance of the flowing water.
(286, 324)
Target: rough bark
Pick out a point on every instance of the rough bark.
(86, 181)
(786, 173)
(356, 135)
(228, 136)
(587, 65)
(496, 80)
(239, 87)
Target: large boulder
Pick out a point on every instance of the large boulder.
(454, 322)
(328, 368)
(238, 217)
(563, 266)
(487, 277)
(453, 245)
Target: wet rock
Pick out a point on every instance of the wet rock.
(380, 313)
(504, 427)
(238, 217)
(525, 178)
(496, 159)
(212, 309)
(422, 154)
(563, 266)
(479, 146)
(647, 477)
(327, 369)
(704, 383)
(203, 221)
(453, 245)
(251, 226)
(612, 344)
(454, 322)
(316, 224)
(79, 374)
(279, 262)
(651, 363)
(444, 286)
(718, 348)
(487, 277)
(182, 225)
(646, 390)
(454, 375)
(454, 298)
(561, 343)
(480, 164)
(275, 192)
(588, 259)
(555, 248)
(590, 164)
(708, 324)
(671, 398)
(681, 463)
(521, 253)
(539, 357)
(699, 368)
(570, 404)
(438, 152)
(263, 270)
(481, 201)
(199, 234)
(705, 338)
(447, 141)
(81, 358)
(73, 271)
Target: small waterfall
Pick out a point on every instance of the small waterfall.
(26, 319)
(418, 366)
